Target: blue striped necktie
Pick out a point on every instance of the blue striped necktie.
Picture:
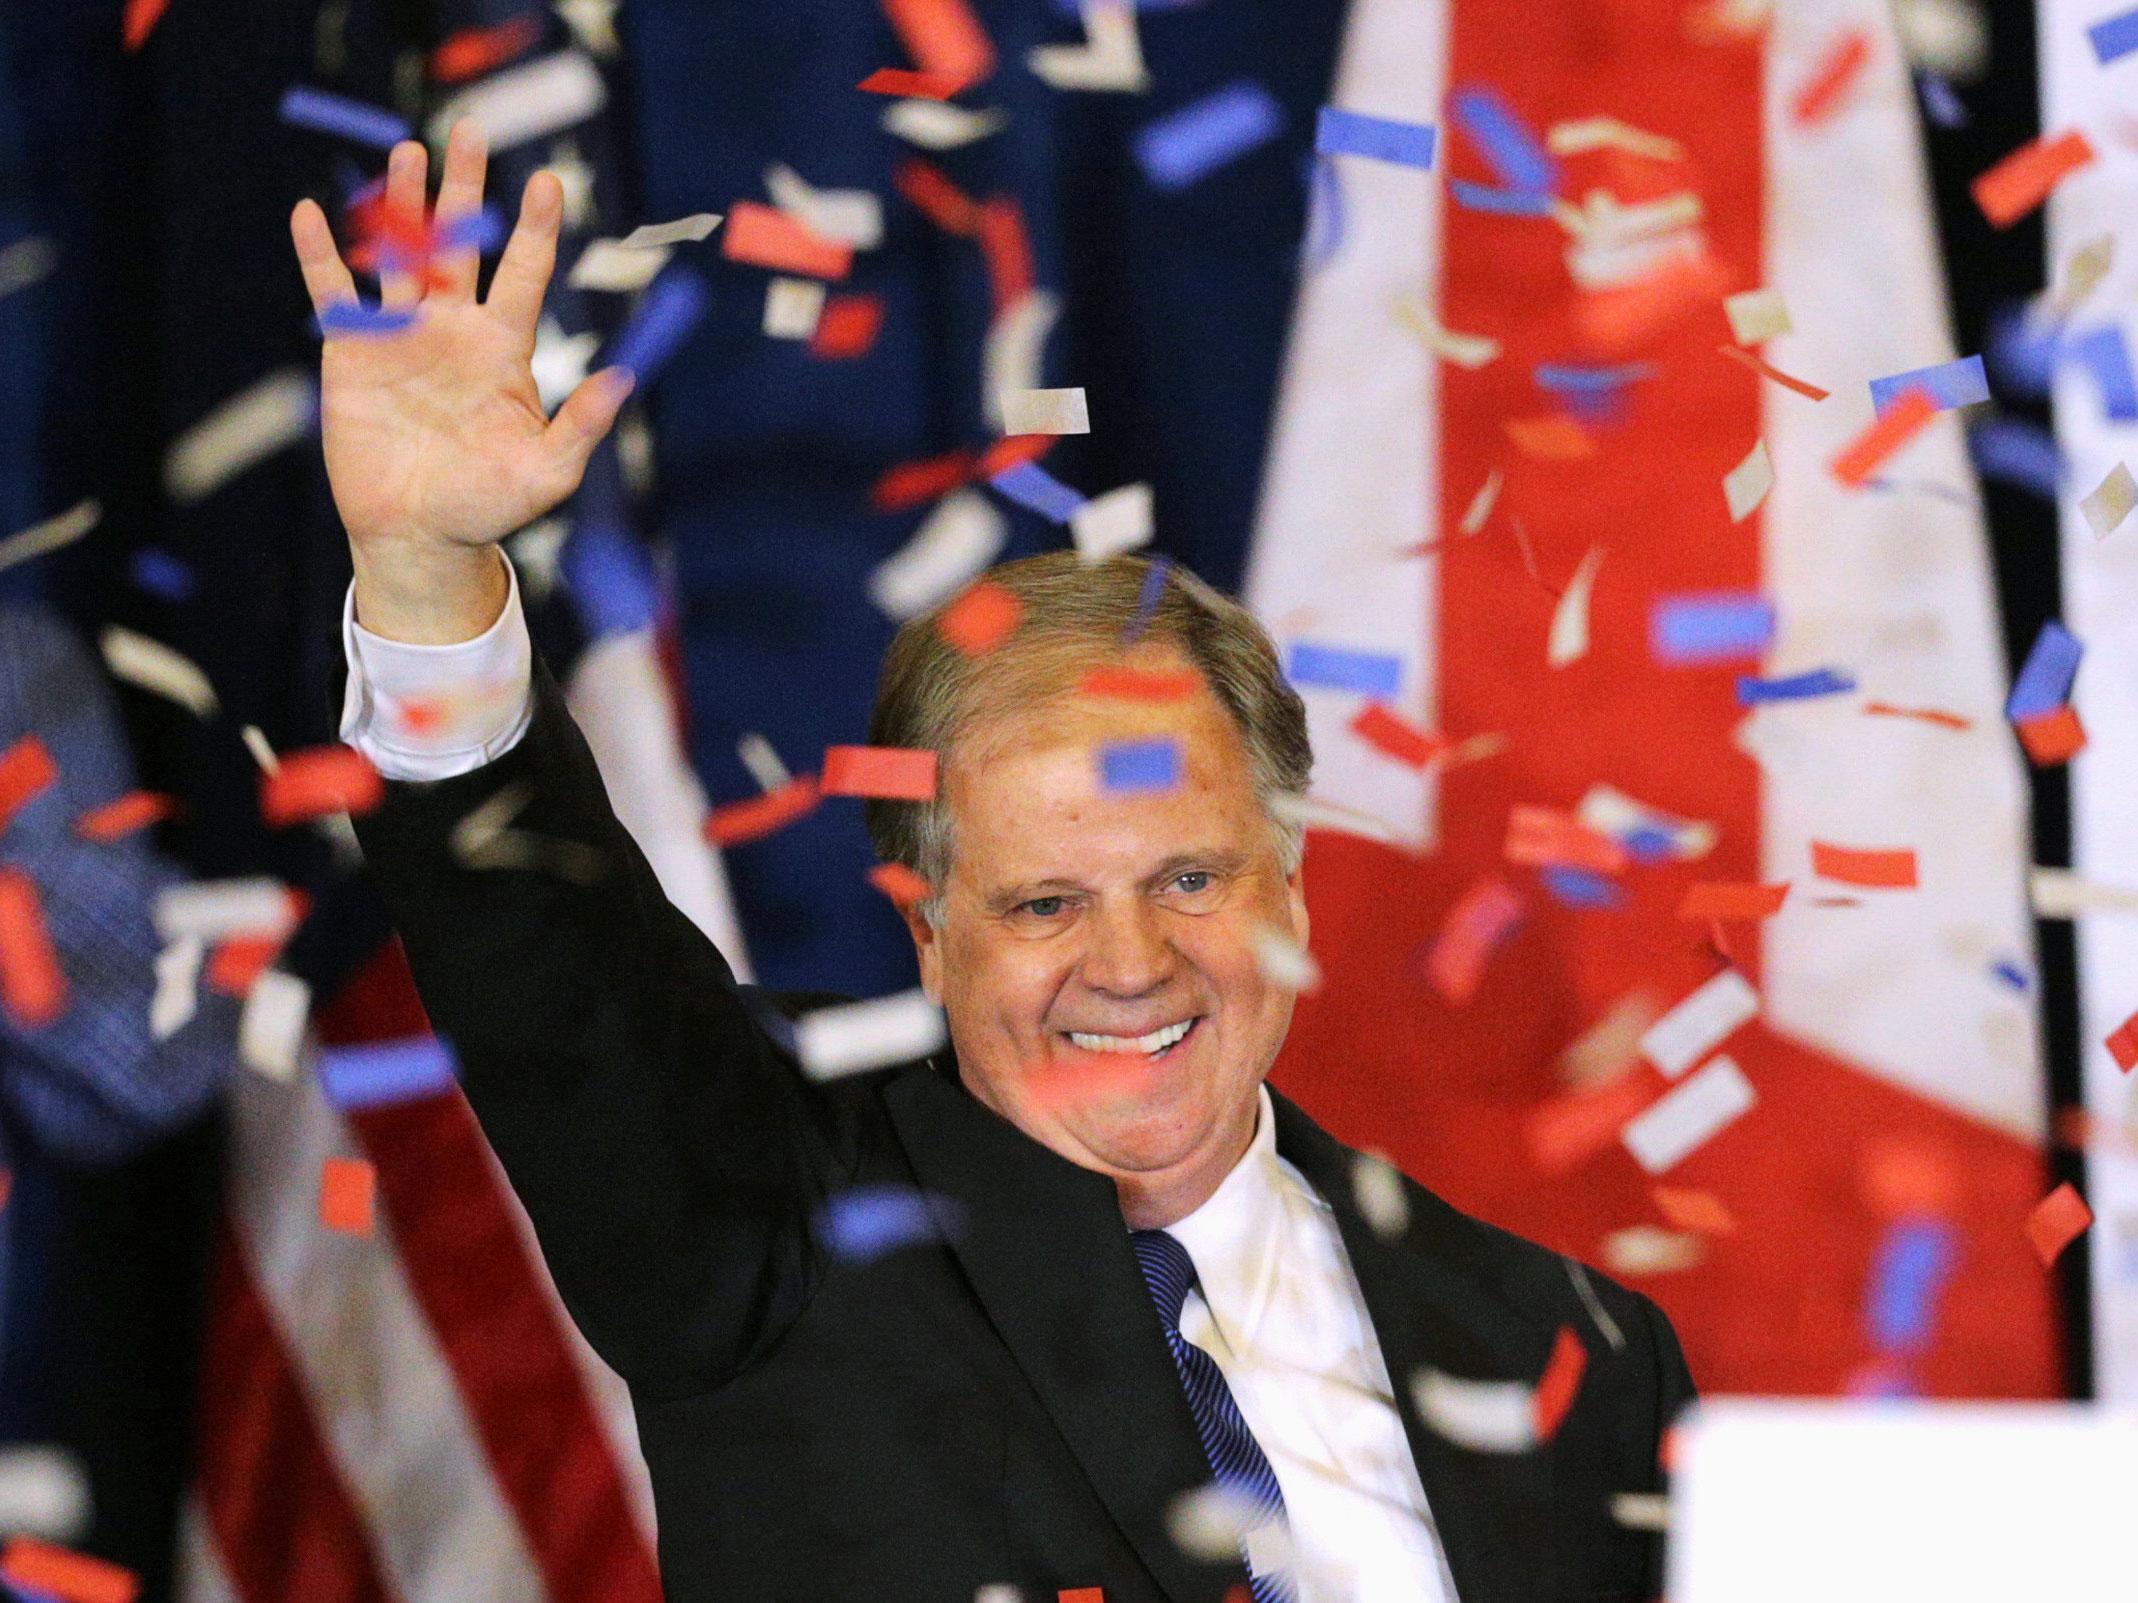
(1235, 1456)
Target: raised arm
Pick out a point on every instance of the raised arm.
(667, 1152)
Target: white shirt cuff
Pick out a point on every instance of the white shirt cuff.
(430, 712)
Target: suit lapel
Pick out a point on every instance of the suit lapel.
(1427, 1313)
(1048, 1255)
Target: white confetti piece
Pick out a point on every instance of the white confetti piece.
(1699, 1024)
(1311, 812)
(935, 125)
(1612, 812)
(1670, 1130)
(852, 216)
(1481, 504)
(611, 267)
(1268, 1548)
(1470, 351)
(1109, 61)
(2110, 502)
(1756, 316)
(1486, 1416)
(763, 762)
(1612, 1042)
(177, 994)
(271, 1029)
(213, 910)
(1569, 639)
(1651, 1250)
(2089, 264)
(1947, 37)
(958, 539)
(1608, 133)
(1212, 1521)
(560, 361)
(245, 430)
(1284, 962)
(525, 103)
(51, 534)
(1015, 345)
(1109, 524)
(792, 308)
(155, 667)
(1377, 1189)
(1747, 484)
(44, 1493)
(2060, 893)
(660, 236)
(1641, 1511)
(262, 753)
(26, 261)
(1045, 412)
(857, 1036)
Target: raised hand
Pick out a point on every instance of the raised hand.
(436, 442)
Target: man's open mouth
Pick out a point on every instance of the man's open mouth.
(1152, 1046)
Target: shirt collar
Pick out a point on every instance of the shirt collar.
(1234, 1236)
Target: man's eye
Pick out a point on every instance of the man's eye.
(1043, 906)
(1195, 879)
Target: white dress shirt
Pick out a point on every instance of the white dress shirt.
(1281, 1313)
(1278, 1309)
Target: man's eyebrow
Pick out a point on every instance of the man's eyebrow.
(1221, 860)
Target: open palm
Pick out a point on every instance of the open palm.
(434, 433)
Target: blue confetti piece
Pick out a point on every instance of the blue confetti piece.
(2013, 451)
(610, 580)
(1338, 132)
(671, 309)
(353, 317)
(1035, 489)
(1325, 213)
(2103, 353)
(383, 1072)
(1202, 136)
(1154, 587)
(337, 114)
(2011, 973)
(1941, 102)
(1913, 1263)
(1794, 687)
(484, 231)
(1370, 673)
(1506, 202)
(1950, 384)
(2114, 37)
(161, 574)
(1138, 765)
(1649, 843)
(1516, 157)
(865, 1222)
(1578, 887)
(1579, 379)
(2022, 352)
(1721, 627)
(2044, 682)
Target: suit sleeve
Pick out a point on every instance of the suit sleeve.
(1674, 1393)
(668, 1153)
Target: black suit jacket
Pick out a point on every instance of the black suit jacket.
(999, 1406)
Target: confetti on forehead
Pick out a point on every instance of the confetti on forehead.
(980, 619)
(1130, 767)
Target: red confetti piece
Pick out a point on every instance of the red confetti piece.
(2023, 180)
(33, 988)
(475, 51)
(2057, 1221)
(348, 1195)
(1385, 732)
(1010, 450)
(7, 1185)
(913, 484)
(2123, 1044)
(938, 199)
(1577, 1124)
(239, 961)
(1699, 1211)
(1928, 715)
(1714, 899)
(846, 328)
(764, 236)
(139, 22)
(1560, 1381)
(60, 1572)
(1081, 1594)
(25, 769)
(1539, 837)
(943, 37)
(1900, 423)
(1618, 320)
(906, 83)
(1007, 248)
(1769, 370)
(1476, 925)
(1550, 439)
(900, 883)
(1880, 868)
(1140, 684)
(980, 619)
(890, 773)
(738, 823)
(1837, 71)
(317, 782)
(137, 809)
(2052, 738)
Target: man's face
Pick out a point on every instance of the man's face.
(1080, 924)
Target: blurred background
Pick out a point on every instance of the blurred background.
(1722, 865)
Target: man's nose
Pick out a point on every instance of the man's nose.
(1128, 953)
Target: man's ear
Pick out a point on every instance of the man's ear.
(928, 949)
(1295, 885)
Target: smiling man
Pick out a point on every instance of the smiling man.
(1076, 1308)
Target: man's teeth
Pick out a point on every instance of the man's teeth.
(1156, 1041)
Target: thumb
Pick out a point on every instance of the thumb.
(587, 414)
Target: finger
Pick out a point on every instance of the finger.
(522, 276)
(460, 201)
(402, 223)
(326, 276)
(587, 414)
